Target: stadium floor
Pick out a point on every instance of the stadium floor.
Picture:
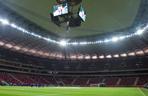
(71, 91)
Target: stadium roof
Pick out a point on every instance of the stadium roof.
(103, 16)
(32, 43)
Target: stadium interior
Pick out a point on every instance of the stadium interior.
(107, 49)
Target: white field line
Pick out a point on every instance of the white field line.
(141, 92)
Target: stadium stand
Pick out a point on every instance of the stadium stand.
(21, 79)
(28, 72)
(37, 66)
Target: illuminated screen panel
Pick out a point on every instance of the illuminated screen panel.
(60, 9)
(82, 13)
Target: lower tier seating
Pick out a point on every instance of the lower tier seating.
(20, 79)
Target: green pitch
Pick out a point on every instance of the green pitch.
(71, 91)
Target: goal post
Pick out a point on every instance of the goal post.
(98, 85)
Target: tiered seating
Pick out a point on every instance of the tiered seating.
(38, 80)
(81, 82)
(51, 80)
(127, 81)
(142, 80)
(67, 81)
(7, 78)
(95, 81)
(111, 81)
(25, 79)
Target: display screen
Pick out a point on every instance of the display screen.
(60, 9)
(82, 13)
(61, 1)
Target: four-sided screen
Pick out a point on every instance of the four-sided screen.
(60, 9)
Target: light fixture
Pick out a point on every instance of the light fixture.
(106, 41)
(4, 21)
(146, 51)
(139, 31)
(25, 49)
(33, 51)
(73, 57)
(116, 56)
(8, 45)
(74, 43)
(63, 43)
(131, 54)
(101, 57)
(124, 55)
(87, 57)
(46, 54)
(140, 53)
(83, 43)
(109, 56)
(80, 57)
(17, 47)
(59, 56)
(40, 53)
(94, 57)
(115, 39)
(1, 43)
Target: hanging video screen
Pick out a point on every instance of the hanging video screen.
(82, 13)
(60, 9)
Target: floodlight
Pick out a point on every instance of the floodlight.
(8, 45)
(17, 47)
(94, 57)
(13, 25)
(83, 43)
(33, 51)
(131, 54)
(140, 53)
(122, 37)
(115, 39)
(80, 57)
(2, 43)
(25, 49)
(73, 57)
(63, 43)
(139, 32)
(106, 40)
(87, 57)
(124, 55)
(146, 51)
(4, 21)
(73, 43)
(101, 57)
(108, 56)
(116, 56)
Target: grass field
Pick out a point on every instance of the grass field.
(71, 91)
